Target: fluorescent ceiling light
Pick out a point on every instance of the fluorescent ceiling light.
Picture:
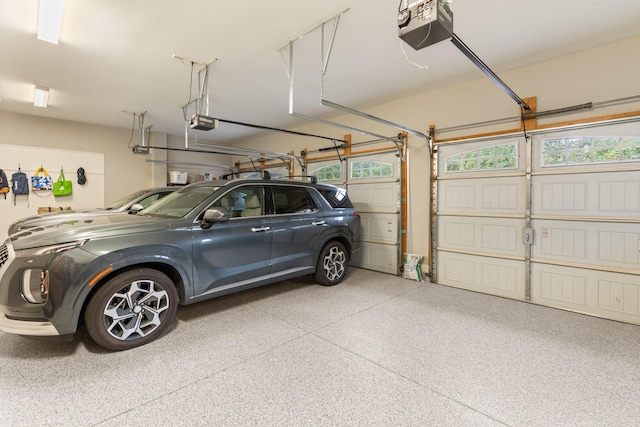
(50, 20)
(41, 96)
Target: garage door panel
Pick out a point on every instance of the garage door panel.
(376, 256)
(602, 244)
(483, 196)
(596, 195)
(379, 228)
(375, 197)
(602, 293)
(502, 236)
(494, 276)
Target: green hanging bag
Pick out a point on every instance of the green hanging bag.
(62, 187)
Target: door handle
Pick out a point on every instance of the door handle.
(260, 229)
(319, 223)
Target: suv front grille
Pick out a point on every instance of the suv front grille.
(4, 254)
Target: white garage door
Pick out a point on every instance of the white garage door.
(373, 183)
(565, 235)
(480, 215)
(586, 221)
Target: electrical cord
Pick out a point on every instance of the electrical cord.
(428, 33)
(422, 67)
(403, 6)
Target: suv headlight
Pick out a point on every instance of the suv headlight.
(45, 250)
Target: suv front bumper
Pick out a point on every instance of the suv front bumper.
(22, 327)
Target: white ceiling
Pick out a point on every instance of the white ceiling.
(117, 55)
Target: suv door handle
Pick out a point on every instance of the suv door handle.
(260, 229)
(319, 223)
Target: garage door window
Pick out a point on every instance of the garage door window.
(328, 173)
(588, 150)
(504, 156)
(363, 170)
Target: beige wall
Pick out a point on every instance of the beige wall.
(124, 172)
(607, 72)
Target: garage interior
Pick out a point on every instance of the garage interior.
(509, 162)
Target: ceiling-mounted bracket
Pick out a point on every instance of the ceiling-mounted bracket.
(289, 67)
(326, 56)
(145, 133)
(200, 120)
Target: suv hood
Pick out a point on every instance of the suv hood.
(50, 218)
(92, 227)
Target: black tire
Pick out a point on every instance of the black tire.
(145, 303)
(332, 264)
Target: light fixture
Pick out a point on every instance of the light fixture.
(41, 96)
(50, 20)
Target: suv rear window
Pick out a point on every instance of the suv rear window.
(337, 197)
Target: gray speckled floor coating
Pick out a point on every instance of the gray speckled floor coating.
(374, 350)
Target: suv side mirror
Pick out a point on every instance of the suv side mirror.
(213, 215)
(135, 208)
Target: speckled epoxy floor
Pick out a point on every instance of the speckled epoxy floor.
(374, 350)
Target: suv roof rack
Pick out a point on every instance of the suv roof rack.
(264, 174)
(311, 178)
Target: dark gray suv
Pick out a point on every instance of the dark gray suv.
(124, 275)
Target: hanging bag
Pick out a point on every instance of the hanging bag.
(20, 185)
(62, 187)
(4, 184)
(82, 177)
(41, 182)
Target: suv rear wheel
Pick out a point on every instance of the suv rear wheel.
(131, 309)
(332, 264)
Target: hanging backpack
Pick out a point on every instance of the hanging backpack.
(82, 178)
(19, 185)
(4, 184)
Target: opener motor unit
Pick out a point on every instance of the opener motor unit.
(425, 22)
(140, 149)
(203, 122)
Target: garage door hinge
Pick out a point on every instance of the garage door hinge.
(527, 236)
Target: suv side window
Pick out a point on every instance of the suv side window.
(292, 200)
(244, 201)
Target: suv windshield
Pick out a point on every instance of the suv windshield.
(181, 202)
(123, 201)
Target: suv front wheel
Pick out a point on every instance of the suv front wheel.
(332, 264)
(131, 309)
